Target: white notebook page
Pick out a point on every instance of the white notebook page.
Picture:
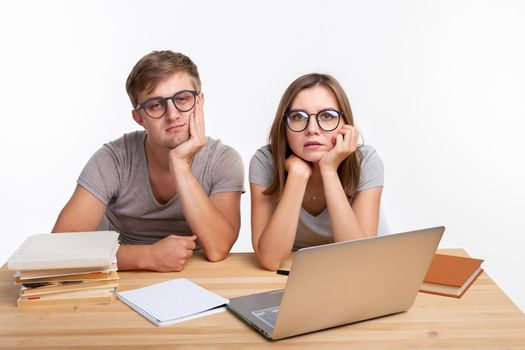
(173, 301)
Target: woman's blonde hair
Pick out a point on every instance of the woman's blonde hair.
(349, 170)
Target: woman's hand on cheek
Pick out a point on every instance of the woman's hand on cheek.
(345, 143)
(297, 165)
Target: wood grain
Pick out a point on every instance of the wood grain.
(484, 318)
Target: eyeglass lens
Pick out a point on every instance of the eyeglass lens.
(157, 106)
(327, 120)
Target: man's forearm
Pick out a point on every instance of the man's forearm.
(215, 233)
(133, 257)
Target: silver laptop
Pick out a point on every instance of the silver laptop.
(345, 282)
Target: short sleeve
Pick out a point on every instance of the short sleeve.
(228, 173)
(262, 169)
(372, 171)
(100, 175)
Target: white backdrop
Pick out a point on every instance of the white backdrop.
(438, 87)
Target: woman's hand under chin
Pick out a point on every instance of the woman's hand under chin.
(345, 143)
(296, 165)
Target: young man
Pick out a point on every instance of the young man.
(168, 188)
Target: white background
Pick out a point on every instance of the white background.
(437, 87)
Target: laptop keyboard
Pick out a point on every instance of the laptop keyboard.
(268, 316)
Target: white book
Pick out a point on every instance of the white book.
(65, 250)
(173, 301)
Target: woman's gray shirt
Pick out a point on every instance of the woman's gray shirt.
(315, 230)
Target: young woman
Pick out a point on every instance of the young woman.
(312, 184)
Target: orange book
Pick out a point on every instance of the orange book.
(450, 275)
(93, 276)
(61, 287)
(22, 276)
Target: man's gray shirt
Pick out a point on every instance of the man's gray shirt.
(117, 174)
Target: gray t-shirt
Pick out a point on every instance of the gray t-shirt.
(315, 230)
(117, 174)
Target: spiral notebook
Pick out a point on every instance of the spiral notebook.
(173, 301)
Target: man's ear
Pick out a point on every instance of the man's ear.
(137, 118)
(201, 98)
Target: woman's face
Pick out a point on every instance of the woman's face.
(313, 142)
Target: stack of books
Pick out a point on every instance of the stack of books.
(66, 268)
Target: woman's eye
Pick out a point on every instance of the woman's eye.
(327, 116)
(298, 117)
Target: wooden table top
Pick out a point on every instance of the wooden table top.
(484, 318)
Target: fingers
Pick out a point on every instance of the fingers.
(355, 138)
(350, 137)
(186, 242)
(183, 242)
(196, 124)
(339, 139)
(183, 256)
(190, 245)
(200, 115)
(184, 250)
(198, 120)
(190, 238)
(172, 253)
(191, 121)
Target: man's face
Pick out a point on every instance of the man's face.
(172, 129)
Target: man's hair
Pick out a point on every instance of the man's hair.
(156, 66)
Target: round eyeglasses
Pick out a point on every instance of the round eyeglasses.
(156, 107)
(327, 119)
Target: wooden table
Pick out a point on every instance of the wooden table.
(484, 318)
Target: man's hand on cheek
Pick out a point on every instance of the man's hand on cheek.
(183, 154)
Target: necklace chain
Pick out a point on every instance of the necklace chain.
(313, 196)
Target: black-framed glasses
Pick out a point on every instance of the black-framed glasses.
(156, 107)
(328, 119)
